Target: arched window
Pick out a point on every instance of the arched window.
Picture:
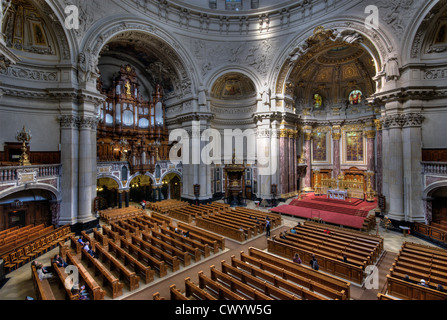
(144, 123)
(355, 97)
(317, 100)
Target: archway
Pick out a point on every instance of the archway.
(439, 207)
(141, 189)
(171, 186)
(107, 193)
(27, 207)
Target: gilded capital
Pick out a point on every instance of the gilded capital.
(370, 134)
(378, 124)
(283, 133)
(336, 135)
(307, 136)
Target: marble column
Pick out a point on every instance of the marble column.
(412, 157)
(69, 161)
(86, 168)
(370, 151)
(307, 146)
(336, 135)
(120, 199)
(284, 161)
(379, 168)
(292, 165)
(393, 182)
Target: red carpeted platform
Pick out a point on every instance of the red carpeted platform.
(347, 213)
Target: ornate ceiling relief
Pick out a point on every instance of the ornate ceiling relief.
(397, 13)
(430, 20)
(25, 29)
(257, 55)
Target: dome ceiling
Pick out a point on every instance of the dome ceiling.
(336, 71)
(155, 60)
(233, 86)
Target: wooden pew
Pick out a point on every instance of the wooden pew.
(141, 255)
(158, 297)
(145, 271)
(288, 279)
(42, 288)
(108, 279)
(203, 234)
(176, 294)
(197, 235)
(214, 226)
(101, 238)
(194, 291)
(131, 278)
(185, 257)
(187, 240)
(173, 261)
(333, 266)
(62, 276)
(92, 287)
(194, 252)
(265, 260)
(221, 292)
(405, 290)
(238, 286)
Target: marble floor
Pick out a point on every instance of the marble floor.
(19, 285)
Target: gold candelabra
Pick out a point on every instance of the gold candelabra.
(370, 193)
(24, 137)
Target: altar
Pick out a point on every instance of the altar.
(337, 194)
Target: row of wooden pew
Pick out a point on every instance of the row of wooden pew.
(259, 275)
(112, 215)
(418, 262)
(164, 206)
(240, 224)
(135, 250)
(22, 236)
(33, 249)
(330, 248)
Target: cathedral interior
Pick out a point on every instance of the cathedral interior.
(105, 104)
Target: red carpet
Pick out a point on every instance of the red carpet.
(350, 214)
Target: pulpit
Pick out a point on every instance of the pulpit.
(235, 184)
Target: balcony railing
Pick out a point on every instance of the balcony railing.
(434, 167)
(11, 174)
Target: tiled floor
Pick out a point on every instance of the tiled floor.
(19, 285)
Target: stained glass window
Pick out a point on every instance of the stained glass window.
(355, 97)
(317, 100)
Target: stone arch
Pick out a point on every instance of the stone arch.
(110, 176)
(433, 187)
(99, 36)
(53, 18)
(150, 175)
(376, 43)
(423, 25)
(171, 172)
(37, 186)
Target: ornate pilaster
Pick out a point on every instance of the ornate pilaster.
(336, 135)
(427, 205)
(379, 166)
(370, 150)
(307, 132)
(284, 160)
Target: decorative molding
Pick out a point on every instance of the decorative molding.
(403, 120)
(30, 74)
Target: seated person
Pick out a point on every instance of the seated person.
(59, 261)
(89, 250)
